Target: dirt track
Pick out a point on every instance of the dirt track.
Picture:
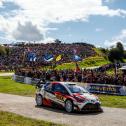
(26, 106)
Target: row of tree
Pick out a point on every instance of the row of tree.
(115, 54)
(4, 50)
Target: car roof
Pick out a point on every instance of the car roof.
(64, 83)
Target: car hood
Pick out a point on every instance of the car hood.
(85, 96)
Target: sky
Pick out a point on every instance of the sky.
(98, 22)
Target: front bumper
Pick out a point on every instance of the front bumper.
(88, 106)
(92, 107)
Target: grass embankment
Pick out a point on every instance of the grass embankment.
(7, 85)
(88, 62)
(113, 101)
(10, 119)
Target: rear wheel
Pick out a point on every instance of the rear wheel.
(39, 100)
(69, 106)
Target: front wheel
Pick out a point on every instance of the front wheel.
(100, 109)
(69, 106)
(39, 100)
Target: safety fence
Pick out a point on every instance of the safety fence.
(92, 88)
(26, 80)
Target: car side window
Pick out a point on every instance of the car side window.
(60, 88)
(48, 87)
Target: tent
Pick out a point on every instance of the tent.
(122, 68)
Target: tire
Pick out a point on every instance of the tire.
(100, 110)
(69, 106)
(39, 100)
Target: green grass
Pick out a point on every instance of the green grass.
(111, 72)
(113, 101)
(98, 52)
(124, 60)
(88, 62)
(7, 85)
(94, 61)
(10, 119)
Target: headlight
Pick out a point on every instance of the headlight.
(79, 99)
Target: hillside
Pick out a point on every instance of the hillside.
(87, 62)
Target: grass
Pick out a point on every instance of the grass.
(7, 85)
(110, 72)
(98, 52)
(113, 101)
(10, 119)
(88, 62)
(94, 61)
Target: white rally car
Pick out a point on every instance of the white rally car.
(67, 95)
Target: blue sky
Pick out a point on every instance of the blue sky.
(99, 22)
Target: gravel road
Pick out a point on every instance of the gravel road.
(26, 106)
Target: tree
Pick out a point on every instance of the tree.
(116, 54)
(120, 48)
(2, 50)
(7, 49)
(58, 41)
(103, 50)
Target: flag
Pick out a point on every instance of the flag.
(75, 51)
(29, 49)
(58, 58)
(76, 58)
(48, 57)
(77, 69)
(32, 57)
(24, 56)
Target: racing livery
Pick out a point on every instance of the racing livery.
(67, 95)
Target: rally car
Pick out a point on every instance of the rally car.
(67, 95)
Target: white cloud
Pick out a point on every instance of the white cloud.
(42, 12)
(107, 1)
(112, 43)
(27, 32)
(48, 40)
(119, 38)
(98, 29)
(1, 3)
(109, 43)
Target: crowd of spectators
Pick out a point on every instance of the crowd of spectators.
(18, 55)
(98, 76)
(17, 58)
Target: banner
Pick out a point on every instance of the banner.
(19, 78)
(106, 89)
(48, 57)
(76, 58)
(58, 58)
(32, 57)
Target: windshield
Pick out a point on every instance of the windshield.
(76, 89)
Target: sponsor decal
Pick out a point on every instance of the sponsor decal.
(60, 97)
(19, 79)
(106, 89)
